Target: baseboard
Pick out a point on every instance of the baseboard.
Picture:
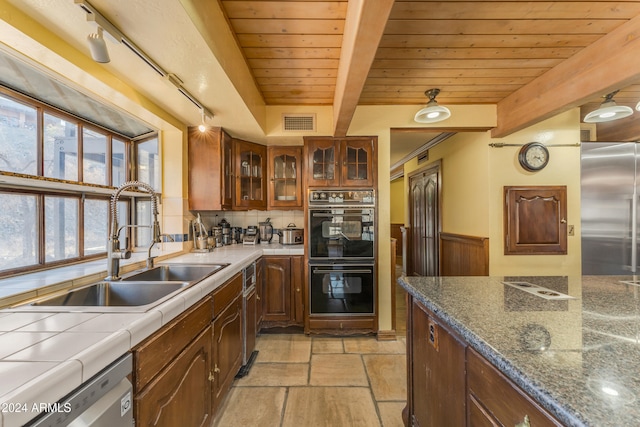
(387, 335)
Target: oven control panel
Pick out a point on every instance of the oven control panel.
(335, 196)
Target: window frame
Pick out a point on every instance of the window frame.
(42, 186)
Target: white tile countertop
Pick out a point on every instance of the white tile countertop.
(46, 355)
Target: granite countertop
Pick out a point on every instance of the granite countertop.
(579, 357)
(46, 355)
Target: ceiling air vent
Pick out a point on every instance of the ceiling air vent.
(423, 157)
(299, 122)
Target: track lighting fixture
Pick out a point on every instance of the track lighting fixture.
(432, 112)
(98, 47)
(203, 127)
(608, 111)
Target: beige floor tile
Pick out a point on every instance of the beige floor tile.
(283, 348)
(252, 406)
(371, 345)
(276, 374)
(337, 370)
(387, 375)
(330, 407)
(327, 345)
(391, 413)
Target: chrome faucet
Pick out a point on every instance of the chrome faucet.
(114, 253)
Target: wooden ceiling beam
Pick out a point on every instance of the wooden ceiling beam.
(609, 64)
(364, 25)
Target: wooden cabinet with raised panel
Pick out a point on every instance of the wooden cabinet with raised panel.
(449, 383)
(171, 372)
(346, 162)
(436, 366)
(259, 291)
(250, 172)
(227, 337)
(283, 290)
(285, 177)
(210, 169)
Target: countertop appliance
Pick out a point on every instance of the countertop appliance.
(291, 235)
(610, 187)
(251, 236)
(103, 401)
(266, 231)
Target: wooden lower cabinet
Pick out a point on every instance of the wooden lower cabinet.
(171, 371)
(437, 372)
(227, 339)
(494, 400)
(181, 394)
(450, 384)
(283, 291)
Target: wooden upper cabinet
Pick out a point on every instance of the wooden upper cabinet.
(347, 162)
(250, 172)
(285, 177)
(210, 169)
(535, 220)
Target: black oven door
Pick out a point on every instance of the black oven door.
(341, 233)
(342, 289)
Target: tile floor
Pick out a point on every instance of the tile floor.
(300, 381)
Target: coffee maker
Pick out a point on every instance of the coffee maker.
(251, 235)
(266, 231)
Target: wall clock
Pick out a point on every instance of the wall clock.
(533, 156)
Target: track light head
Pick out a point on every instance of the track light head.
(98, 47)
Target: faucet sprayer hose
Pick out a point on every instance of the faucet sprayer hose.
(116, 196)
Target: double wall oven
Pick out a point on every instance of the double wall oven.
(341, 249)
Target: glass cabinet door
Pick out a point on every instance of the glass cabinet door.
(285, 176)
(322, 156)
(357, 162)
(250, 161)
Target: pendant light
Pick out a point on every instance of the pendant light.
(432, 112)
(608, 111)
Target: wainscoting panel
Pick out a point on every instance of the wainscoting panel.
(463, 255)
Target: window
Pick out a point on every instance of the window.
(18, 230)
(44, 224)
(60, 148)
(18, 137)
(148, 163)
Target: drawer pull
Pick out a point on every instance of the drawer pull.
(524, 423)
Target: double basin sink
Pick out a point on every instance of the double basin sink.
(136, 291)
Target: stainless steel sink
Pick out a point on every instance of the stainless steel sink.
(114, 294)
(136, 292)
(176, 272)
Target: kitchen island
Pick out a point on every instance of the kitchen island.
(573, 348)
(44, 355)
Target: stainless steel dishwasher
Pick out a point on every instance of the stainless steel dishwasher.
(106, 400)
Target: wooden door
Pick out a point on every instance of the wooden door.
(251, 329)
(357, 157)
(277, 289)
(424, 209)
(226, 144)
(227, 349)
(259, 291)
(322, 162)
(205, 169)
(181, 394)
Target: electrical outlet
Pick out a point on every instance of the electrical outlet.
(571, 230)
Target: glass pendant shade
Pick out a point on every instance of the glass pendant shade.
(608, 111)
(432, 113)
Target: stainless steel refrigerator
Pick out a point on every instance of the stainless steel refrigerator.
(609, 199)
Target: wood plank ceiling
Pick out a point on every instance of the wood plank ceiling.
(476, 52)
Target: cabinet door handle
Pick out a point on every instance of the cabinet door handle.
(524, 423)
(298, 290)
(216, 369)
(211, 377)
(258, 297)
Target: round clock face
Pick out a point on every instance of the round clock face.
(533, 156)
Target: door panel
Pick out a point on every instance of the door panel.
(424, 203)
